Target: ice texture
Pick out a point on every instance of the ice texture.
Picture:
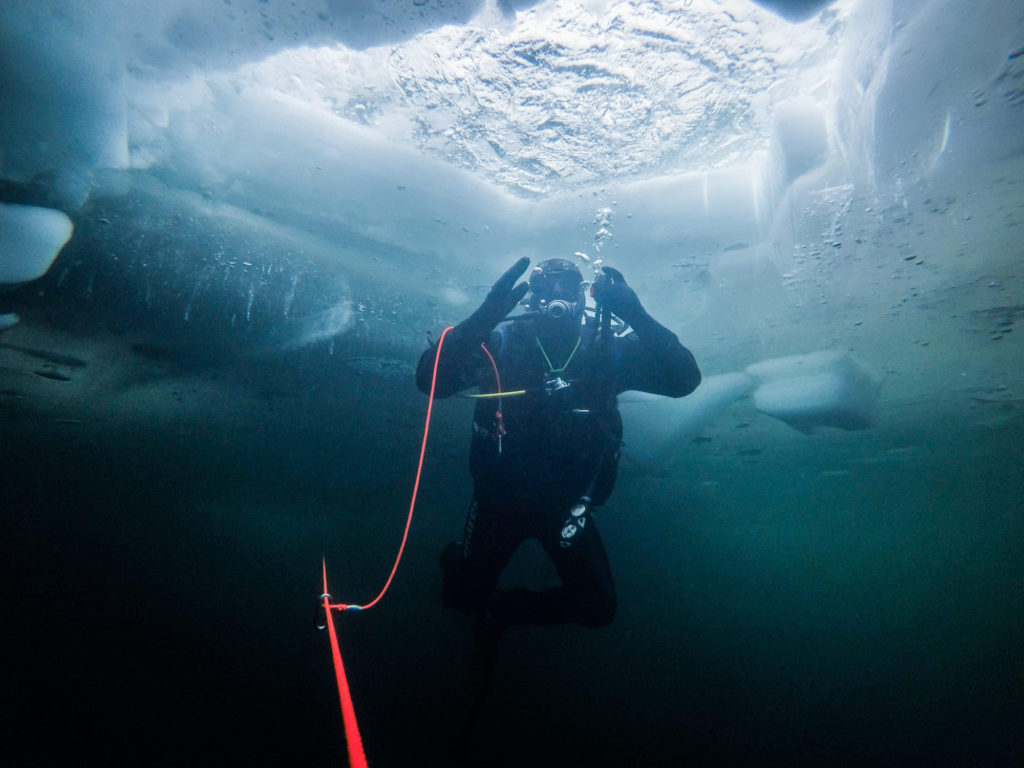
(669, 425)
(30, 239)
(779, 176)
(829, 388)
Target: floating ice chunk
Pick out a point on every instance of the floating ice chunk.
(668, 423)
(30, 239)
(821, 389)
(8, 321)
(713, 396)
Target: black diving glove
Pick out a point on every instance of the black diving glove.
(611, 292)
(501, 299)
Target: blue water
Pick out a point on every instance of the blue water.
(165, 585)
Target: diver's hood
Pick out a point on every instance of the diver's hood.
(557, 290)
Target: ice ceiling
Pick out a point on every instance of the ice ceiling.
(570, 94)
(775, 178)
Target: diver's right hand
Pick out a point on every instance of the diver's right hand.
(501, 299)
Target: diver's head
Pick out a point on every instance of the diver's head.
(558, 293)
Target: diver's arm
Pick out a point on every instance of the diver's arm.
(652, 359)
(460, 353)
(454, 369)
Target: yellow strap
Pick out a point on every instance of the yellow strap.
(495, 394)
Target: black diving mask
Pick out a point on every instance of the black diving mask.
(557, 293)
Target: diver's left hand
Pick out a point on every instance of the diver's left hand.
(611, 292)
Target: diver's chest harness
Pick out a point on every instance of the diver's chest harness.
(552, 391)
(560, 395)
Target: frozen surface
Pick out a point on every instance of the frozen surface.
(772, 177)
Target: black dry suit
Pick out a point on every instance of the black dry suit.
(551, 446)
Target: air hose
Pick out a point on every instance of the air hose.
(354, 742)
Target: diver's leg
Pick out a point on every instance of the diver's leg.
(472, 567)
(587, 593)
(587, 582)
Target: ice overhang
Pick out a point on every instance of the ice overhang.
(553, 99)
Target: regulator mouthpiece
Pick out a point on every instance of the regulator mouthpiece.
(557, 309)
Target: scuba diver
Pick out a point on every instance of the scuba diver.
(547, 434)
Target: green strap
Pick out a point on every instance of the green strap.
(551, 368)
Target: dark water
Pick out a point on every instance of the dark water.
(161, 585)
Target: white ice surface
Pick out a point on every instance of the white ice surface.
(669, 425)
(822, 389)
(30, 239)
(843, 182)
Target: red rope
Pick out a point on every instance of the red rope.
(498, 419)
(356, 756)
(415, 488)
(494, 365)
